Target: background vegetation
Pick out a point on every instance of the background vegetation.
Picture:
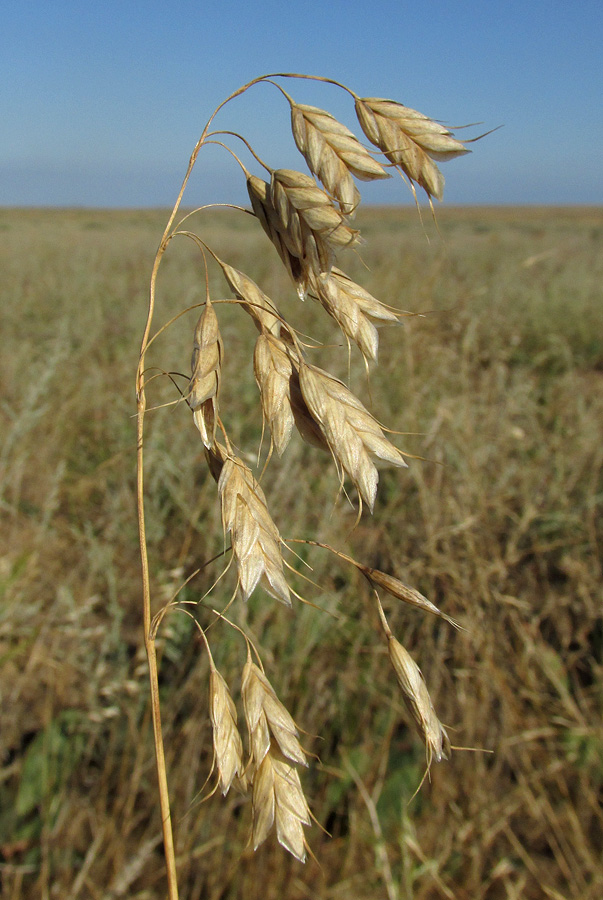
(500, 387)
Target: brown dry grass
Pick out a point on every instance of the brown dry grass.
(502, 385)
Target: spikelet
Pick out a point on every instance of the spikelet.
(354, 310)
(273, 371)
(311, 226)
(278, 795)
(277, 791)
(418, 701)
(350, 431)
(333, 154)
(259, 194)
(256, 542)
(228, 747)
(402, 591)
(267, 717)
(254, 300)
(206, 366)
(410, 140)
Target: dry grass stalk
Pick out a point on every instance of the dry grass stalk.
(206, 366)
(409, 140)
(333, 153)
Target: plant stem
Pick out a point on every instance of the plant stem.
(149, 642)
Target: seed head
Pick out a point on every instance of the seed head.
(333, 154)
(409, 140)
(206, 366)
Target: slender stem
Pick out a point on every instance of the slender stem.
(149, 641)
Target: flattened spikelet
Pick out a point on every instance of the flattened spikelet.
(410, 140)
(354, 310)
(351, 432)
(228, 747)
(267, 718)
(256, 542)
(259, 194)
(273, 371)
(333, 154)
(254, 300)
(206, 366)
(278, 795)
(418, 702)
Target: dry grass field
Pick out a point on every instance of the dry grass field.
(498, 384)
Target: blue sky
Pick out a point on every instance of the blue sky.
(101, 103)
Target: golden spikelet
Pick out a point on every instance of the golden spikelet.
(228, 747)
(266, 716)
(351, 432)
(273, 371)
(206, 366)
(254, 300)
(259, 194)
(409, 140)
(354, 309)
(311, 226)
(333, 154)
(278, 797)
(256, 542)
(277, 792)
(418, 702)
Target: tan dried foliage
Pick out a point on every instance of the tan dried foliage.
(351, 432)
(418, 702)
(228, 746)
(409, 140)
(333, 154)
(256, 542)
(355, 310)
(206, 366)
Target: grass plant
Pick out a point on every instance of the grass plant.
(309, 223)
